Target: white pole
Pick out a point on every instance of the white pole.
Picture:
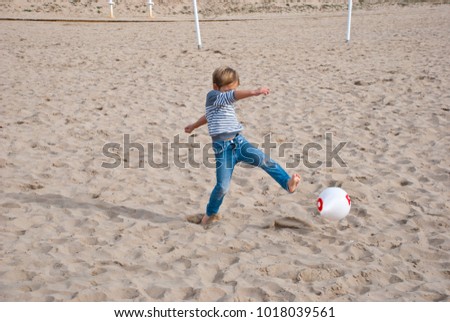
(111, 5)
(349, 20)
(150, 8)
(197, 25)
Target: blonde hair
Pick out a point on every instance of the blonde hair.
(224, 75)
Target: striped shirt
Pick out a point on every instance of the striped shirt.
(221, 115)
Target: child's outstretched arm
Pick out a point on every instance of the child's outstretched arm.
(191, 127)
(241, 94)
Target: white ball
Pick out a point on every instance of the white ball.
(334, 203)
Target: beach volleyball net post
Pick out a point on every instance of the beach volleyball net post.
(349, 20)
(150, 8)
(111, 8)
(197, 25)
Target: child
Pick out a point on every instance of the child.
(229, 146)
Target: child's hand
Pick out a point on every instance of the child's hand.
(189, 128)
(263, 90)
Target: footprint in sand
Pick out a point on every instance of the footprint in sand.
(32, 186)
(197, 218)
(248, 294)
(11, 205)
(156, 292)
(317, 274)
(292, 223)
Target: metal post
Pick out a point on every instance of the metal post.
(111, 6)
(150, 8)
(197, 25)
(349, 20)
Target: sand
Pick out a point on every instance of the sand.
(72, 230)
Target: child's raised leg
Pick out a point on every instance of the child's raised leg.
(253, 156)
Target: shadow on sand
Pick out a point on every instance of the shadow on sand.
(112, 211)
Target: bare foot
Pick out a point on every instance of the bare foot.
(293, 182)
(206, 220)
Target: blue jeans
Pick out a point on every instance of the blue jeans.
(231, 152)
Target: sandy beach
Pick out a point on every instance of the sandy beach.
(75, 228)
